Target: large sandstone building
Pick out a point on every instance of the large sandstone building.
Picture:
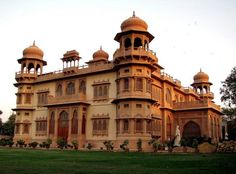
(128, 97)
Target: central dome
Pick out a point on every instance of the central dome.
(33, 52)
(134, 23)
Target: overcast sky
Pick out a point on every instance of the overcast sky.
(189, 35)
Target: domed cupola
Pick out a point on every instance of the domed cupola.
(100, 55)
(201, 77)
(202, 85)
(33, 52)
(134, 23)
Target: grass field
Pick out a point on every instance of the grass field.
(27, 161)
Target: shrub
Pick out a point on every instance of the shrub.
(89, 146)
(124, 146)
(155, 143)
(61, 142)
(183, 142)
(139, 145)
(33, 144)
(48, 143)
(75, 144)
(195, 143)
(109, 145)
(21, 143)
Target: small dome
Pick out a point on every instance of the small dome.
(134, 23)
(100, 54)
(33, 52)
(201, 77)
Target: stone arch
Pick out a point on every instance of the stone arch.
(52, 123)
(137, 42)
(146, 46)
(38, 69)
(63, 125)
(128, 43)
(31, 68)
(191, 129)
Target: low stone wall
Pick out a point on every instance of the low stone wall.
(227, 146)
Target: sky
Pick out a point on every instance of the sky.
(189, 35)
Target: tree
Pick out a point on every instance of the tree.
(228, 89)
(1, 123)
(8, 126)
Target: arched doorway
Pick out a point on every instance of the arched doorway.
(63, 125)
(191, 129)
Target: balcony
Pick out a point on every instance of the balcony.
(195, 105)
(135, 52)
(25, 75)
(67, 99)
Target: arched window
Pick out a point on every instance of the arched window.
(74, 123)
(82, 87)
(83, 125)
(148, 126)
(59, 90)
(191, 130)
(146, 45)
(137, 42)
(52, 123)
(23, 69)
(168, 127)
(148, 85)
(127, 43)
(38, 69)
(70, 88)
(64, 119)
(168, 95)
(26, 129)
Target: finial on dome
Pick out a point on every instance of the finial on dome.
(200, 69)
(133, 13)
(100, 47)
(34, 43)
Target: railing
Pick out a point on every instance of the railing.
(195, 104)
(121, 52)
(66, 99)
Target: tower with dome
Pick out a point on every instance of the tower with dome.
(125, 97)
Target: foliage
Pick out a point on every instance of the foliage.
(229, 112)
(8, 126)
(61, 143)
(155, 143)
(139, 145)
(21, 143)
(232, 129)
(124, 145)
(89, 146)
(75, 144)
(33, 144)
(228, 89)
(183, 142)
(109, 145)
(195, 143)
(6, 142)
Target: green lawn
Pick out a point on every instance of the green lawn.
(29, 161)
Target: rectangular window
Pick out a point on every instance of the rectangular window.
(126, 105)
(17, 131)
(26, 129)
(126, 125)
(139, 84)
(26, 113)
(28, 98)
(42, 98)
(138, 105)
(126, 70)
(126, 84)
(139, 70)
(100, 126)
(148, 87)
(101, 91)
(19, 99)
